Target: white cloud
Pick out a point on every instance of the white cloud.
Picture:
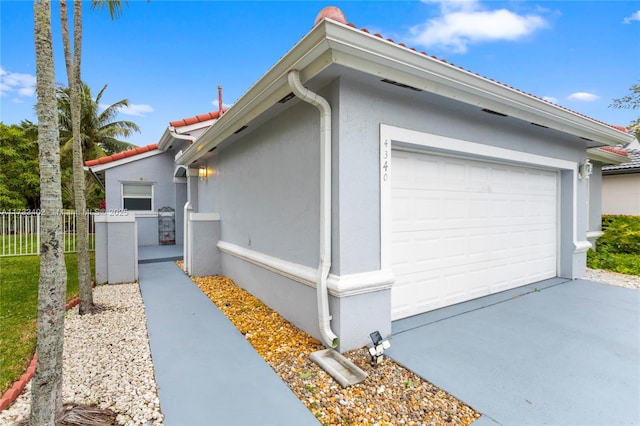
(550, 99)
(634, 17)
(215, 103)
(22, 85)
(462, 23)
(138, 110)
(583, 97)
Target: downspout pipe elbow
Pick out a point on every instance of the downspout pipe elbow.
(324, 317)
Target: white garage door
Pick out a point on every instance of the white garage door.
(462, 229)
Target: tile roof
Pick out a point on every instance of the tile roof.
(121, 155)
(142, 149)
(631, 167)
(618, 151)
(335, 14)
(197, 119)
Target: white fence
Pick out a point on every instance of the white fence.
(20, 232)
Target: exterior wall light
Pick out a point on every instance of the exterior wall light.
(585, 170)
(378, 348)
(202, 172)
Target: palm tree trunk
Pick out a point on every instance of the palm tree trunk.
(46, 387)
(73, 76)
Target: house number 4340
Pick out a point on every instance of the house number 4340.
(385, 161)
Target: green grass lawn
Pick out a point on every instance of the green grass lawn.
(19, 277)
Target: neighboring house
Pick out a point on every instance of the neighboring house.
(621, 185)
(601, 158)
(360, 181)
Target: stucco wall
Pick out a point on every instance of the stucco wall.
(156, 170)
(595, 198)
(266, 188)
(621, 194)
(364, 106)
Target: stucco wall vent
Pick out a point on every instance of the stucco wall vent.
(489, 111)
(404, 86)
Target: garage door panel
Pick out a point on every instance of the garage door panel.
(462, 229)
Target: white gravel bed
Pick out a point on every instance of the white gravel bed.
(107, 361)
(613, 278)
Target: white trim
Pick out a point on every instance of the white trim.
(606, 157)
(141, 213)
(126, 160)
(338, 285)
(111, 218)
(191, 127)
(331, 42)
(179, 180)
(582, 246)
(594, 234)
(204, 217)
(446, 145)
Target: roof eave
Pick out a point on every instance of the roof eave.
(332, 42)
(122, 161)
(606, 157)
(267, 91)
(376, 56)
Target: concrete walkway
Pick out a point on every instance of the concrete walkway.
(207, 373)
(557, 352)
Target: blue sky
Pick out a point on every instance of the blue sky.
(168, 57)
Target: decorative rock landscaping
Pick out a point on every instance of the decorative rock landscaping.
(107, 361)
(390, 394)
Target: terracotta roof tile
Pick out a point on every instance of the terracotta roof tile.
(197, 119)
(632, 166)
(618, 151)
(120, 155)
(619, 128)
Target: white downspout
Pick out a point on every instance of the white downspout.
(324, 317)
(186, 236)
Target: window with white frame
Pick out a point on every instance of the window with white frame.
(137, 196)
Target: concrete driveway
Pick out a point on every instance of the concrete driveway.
(556, 352)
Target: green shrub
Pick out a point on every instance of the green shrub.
(621, 234)
(618, 250)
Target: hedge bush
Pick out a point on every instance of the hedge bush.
(618, 250)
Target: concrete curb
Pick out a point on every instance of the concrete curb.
(18, 386)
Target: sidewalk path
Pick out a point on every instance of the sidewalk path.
(207, 373)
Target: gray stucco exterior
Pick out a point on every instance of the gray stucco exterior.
(157, 171)
(256, 217)
(265, 187)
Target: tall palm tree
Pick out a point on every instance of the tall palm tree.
(99, 131)
(75, 85)
(46, 387)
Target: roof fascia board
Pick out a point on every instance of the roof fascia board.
(192, 127)
(165, 140)
(168, 136)
(606, 157)
(368, 53)
(311, 54)
(338, 43)
(122, 161)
